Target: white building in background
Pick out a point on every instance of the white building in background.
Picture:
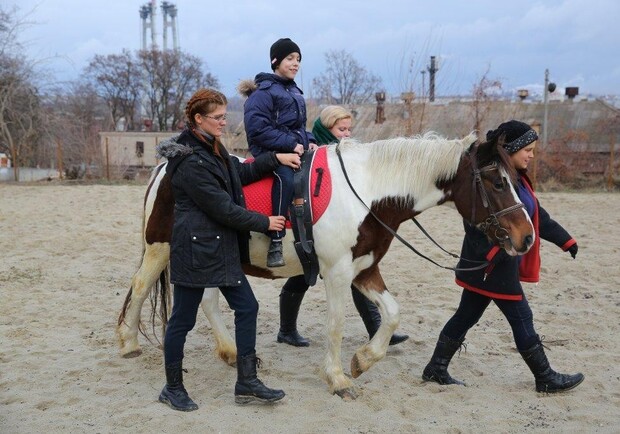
(5, 161)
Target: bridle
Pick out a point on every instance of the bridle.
(491, 221)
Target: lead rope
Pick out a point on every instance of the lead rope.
(391, 231)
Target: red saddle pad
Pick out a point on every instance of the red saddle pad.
(258, 194)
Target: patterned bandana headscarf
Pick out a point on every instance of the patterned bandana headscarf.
(518, 135)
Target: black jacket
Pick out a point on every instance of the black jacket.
(211, 223)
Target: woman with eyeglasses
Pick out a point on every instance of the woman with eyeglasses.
(210, 242)
(275, 120)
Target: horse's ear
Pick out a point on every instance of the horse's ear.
(494, 143)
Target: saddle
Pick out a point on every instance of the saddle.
(312, 193)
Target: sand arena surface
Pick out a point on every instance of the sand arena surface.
(68, 254)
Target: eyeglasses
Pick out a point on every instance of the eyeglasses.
(218, 118)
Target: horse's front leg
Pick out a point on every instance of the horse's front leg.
(225, 346)
(337, 381)
(154, 261)
(373, 287)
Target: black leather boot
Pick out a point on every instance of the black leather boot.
(289, 310)
(369, 312)
(275, 258)
(437, 368)
(173, 393)
(547, 380)
(248, 387)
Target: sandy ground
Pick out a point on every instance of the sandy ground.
(68, 254)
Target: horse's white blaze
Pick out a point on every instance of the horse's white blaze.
(512, 251)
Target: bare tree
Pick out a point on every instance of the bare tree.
(170, 77)
(74, 117)
(117, 79)
(482, 95)
(19, 96)
(345, 81)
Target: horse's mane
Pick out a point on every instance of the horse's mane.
(399, 163)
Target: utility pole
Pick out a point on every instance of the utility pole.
(546, 106)
(549, 87)
(432, 69)
(423, 101)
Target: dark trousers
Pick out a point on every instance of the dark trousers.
(281, 195)
(185, 309)
(473, 305)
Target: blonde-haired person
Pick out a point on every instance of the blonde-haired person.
(333, 124)
(210, 241)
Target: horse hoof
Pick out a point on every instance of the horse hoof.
(132, 354)
(347, 394)
(229, 360)
(356, 367)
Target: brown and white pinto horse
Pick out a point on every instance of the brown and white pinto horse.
(398, 179)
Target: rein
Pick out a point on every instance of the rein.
(395, 235)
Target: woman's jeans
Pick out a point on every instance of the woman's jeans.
(473, 305)
(185, 308)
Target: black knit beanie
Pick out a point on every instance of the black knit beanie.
(280, 49)
(517, 135)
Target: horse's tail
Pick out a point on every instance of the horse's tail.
(160, 296)
(162, 289)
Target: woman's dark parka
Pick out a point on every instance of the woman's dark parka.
(211, 223)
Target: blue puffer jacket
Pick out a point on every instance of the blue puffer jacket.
(275, 115)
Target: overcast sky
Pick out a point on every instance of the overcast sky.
(577, 40)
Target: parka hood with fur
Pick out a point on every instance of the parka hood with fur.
(170, 148)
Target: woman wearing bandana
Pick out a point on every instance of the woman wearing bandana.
(501, 281)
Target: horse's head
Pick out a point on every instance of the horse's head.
(486, 197)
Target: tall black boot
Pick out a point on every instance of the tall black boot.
(289, 310)
(547, 380)
(248, 387)
(437, 368)
(174, 393)
(369, 312)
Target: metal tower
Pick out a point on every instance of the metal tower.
(147, 14)
(170, 21)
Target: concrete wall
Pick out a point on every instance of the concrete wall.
(119, 148)
(27, 174)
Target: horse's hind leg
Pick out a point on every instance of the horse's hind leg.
(154, 261)
(225, 346)
(374, 288)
